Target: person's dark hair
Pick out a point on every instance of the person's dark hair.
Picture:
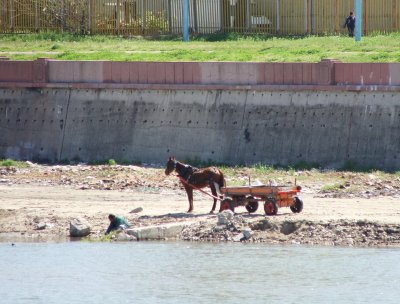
(351, 13)
(111, 216)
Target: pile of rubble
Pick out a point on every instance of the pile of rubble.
(229, 227)
(99, 177)
(232, 228)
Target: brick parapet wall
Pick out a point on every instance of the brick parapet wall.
(201, 75)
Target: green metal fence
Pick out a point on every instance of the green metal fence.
(155, 17)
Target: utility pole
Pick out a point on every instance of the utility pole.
(185, 20)
(358, 13)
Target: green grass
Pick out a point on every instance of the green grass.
(332, 187)
(12, 163)
(223, 47)
(110, 162)
(7, 163)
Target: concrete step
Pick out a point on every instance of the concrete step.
(160, 232)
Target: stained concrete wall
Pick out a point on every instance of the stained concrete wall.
(276, 113)
(32, 123)
(231, 126)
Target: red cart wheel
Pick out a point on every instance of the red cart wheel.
(298, 205)
(270, 207)
(227, 204)
(252, 204)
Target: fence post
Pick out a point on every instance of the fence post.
(248, 15)
(36, 16)
(394, 17)
(305, 16)
(365, 18)
(169, 17)
(11, 16)
(308, 17)
(90, 16)
(277, 16)
(117, 18)
(62, 16)
(221, 15)
(195, 21)
(143, 16)
(337, 22)
(185, 20)
(312, 16)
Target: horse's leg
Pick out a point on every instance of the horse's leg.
(218, 189)
(189, 192)
(214, 192)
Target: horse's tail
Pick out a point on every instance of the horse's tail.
(221, 181)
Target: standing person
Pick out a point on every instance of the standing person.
(116, 223)
(351, 24)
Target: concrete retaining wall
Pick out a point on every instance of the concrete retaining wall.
(56, 118)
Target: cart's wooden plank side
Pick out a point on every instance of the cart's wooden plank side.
(262, 190)
(273, 197)
(257, 190)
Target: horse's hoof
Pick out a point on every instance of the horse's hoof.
(189, 211)
(212, 212)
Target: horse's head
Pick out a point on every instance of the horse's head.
(171, 164)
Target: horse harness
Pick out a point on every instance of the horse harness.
(186, 172)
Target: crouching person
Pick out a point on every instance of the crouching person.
(116, 223)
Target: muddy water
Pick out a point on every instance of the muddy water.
(178, 272)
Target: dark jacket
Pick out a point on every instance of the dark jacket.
(350, 22)
(116, 223)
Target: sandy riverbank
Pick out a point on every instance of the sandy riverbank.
(31, 197)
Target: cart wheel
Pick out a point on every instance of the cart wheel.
(252, 204)
(270, 207)
(298, 205)
(227, 204)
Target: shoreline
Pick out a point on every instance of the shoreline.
(39, 203)
(357, 234)
(307, 228)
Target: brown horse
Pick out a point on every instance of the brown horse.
(192, 178)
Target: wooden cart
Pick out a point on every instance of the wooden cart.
(273, 197)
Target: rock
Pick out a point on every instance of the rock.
(247, 233)
(136, 210)
(160, 232)
(41, 226)
(79, 228)
(225, 217)
(289, 227)
(122, 237)
(261, 225)
(219, 228)
(238, 238)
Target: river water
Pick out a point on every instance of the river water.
(180, 272)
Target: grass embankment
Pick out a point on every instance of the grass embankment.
(231, 47)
